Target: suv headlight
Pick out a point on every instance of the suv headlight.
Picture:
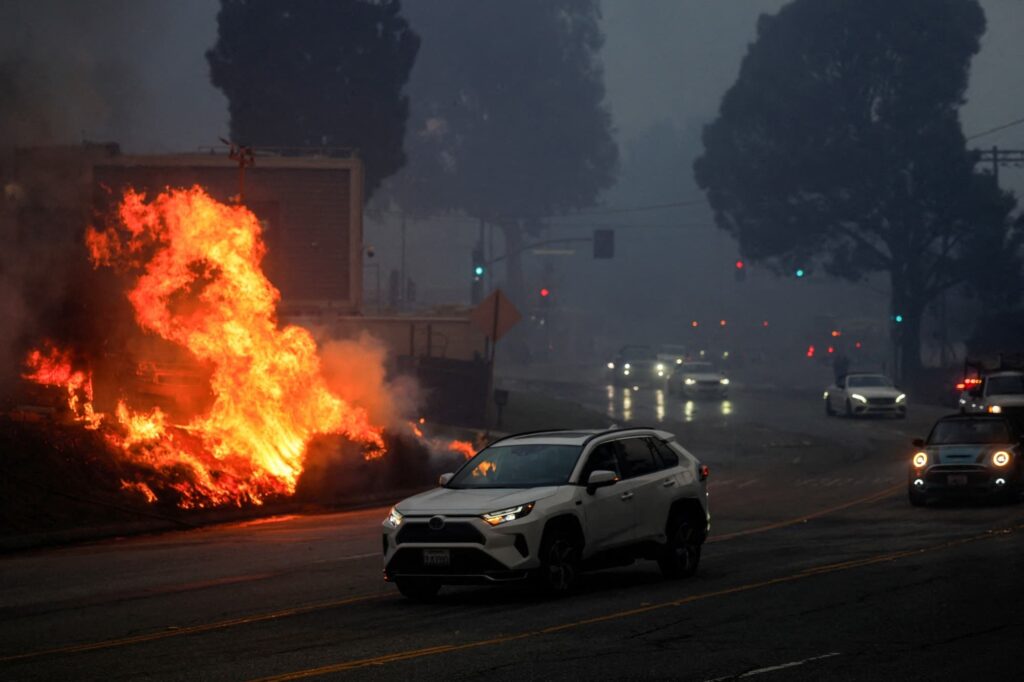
(689, 381)
(1001, 458)
(920, 459)
(394, 519)
(902, 397)
(995, 409)
(660, 367)
(496, 518)
(858, 396)
(724, 381)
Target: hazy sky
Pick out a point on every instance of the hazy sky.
(664, 59)
(134, 71)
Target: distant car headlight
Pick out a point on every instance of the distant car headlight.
(660, 367)
(627, 366)
(625, 372)
(1001, 458)
(689, 381)
(826, 395)
(501, 516)
(611, 365)
(920, 459)
(394, 519)
(902, 397)
(724, 381)
(995, 409)
(858, 396)
(679, 361)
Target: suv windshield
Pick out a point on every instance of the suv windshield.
(964, 431)
(868, 380)
(1005, 385)
(518, 466)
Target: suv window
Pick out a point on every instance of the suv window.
(666, 455)
(637, 458)
(602, 458)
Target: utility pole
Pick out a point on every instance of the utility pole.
(246, 157)
(402, 294)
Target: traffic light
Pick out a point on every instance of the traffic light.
(479, 270)
(604, 243)
(544, 292)
(740, 273)
(800, 272)
(897, 318)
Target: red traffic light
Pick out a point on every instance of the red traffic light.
(739, 265)
(545, 292)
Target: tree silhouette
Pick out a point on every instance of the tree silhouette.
(317, 74)
(509, 123)
(840, 142)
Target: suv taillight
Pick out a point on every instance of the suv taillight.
(704, 472)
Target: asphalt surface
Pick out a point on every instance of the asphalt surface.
(817, 568)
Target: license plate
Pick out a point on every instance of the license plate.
(956, 479)
(437, 557)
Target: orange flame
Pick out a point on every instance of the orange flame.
(462, 447)
(199, 285)
(53, 368)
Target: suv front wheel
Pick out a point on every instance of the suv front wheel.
(559, 571)
(681, 553)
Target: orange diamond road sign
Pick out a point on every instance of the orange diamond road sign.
(495, 315)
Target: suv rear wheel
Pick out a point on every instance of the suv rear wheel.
(559, 570)
(681, 553)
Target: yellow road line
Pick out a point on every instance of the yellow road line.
(618, 615)
(873, 497)
(299, 610)
(190, 630)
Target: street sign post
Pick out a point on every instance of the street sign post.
(495, 316)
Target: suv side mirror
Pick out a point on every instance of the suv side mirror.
(918, 442)
(601, 478)
(444, 478)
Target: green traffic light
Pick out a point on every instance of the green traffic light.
(898, 318)
(479, 271)
(800, 272)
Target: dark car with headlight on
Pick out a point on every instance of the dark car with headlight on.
(967, 456)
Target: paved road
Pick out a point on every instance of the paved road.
(817, 568)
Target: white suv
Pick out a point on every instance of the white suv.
(545, 505)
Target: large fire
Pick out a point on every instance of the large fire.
(196, 281)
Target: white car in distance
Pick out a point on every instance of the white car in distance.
(863, 394)
(699, 380)
(546, 505)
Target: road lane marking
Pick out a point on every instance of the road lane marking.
(773, 668)
(190, 630)
(873, 497)
(300, 610)
(619, 615)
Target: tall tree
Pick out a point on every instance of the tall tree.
(317, 73)
(509, 119)
(840, 142)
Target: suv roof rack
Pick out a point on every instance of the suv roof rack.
(617, 430)
(524, 433)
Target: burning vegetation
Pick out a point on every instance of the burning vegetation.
(201, 303)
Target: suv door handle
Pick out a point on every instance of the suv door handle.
(626, 496)
(669, 483)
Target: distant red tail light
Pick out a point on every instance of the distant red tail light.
(704, 472)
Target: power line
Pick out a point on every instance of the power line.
(983, 133)
(584, 214)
